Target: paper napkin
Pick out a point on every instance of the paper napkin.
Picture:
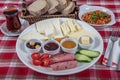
(116, 53)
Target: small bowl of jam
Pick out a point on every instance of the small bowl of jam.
(51, 47)
(32, 45)
(69, 45)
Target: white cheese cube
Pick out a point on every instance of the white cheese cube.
(85, 40)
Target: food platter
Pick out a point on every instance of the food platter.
(25, 56)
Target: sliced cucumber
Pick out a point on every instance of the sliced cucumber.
(89, 53)
(82, 58)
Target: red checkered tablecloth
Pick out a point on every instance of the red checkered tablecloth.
(11, 68)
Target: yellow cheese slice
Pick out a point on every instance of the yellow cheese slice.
(65, 28)
(71, 26)
(78, 26)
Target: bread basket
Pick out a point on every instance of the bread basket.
(32, 19)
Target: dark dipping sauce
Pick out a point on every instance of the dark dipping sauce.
(51, 46)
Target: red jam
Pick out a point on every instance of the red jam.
(51, 46)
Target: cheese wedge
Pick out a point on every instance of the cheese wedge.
(33, 34)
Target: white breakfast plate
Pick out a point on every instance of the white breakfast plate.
(8, 33)
(25, 57)
(87, 8)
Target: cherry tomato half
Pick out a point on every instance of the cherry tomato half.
(45, 55)
(35, 56)
(46, 62)
(37, 62)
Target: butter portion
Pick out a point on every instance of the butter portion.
(85, 40)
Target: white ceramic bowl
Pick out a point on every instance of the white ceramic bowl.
(71, 50)
(30, 50)
(52, 52)
(87, 8)
(91, 40)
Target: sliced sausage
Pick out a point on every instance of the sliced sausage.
(61, 57)
(64, 65)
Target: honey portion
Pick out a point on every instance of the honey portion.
(68, 44)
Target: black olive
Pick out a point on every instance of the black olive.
(28, 45)
(32, 46)
(37, 43)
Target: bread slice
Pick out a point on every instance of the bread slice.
(70, 8)
(63, 5)
(53, 6)
(38, 7)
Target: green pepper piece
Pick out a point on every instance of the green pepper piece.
(102, 14)
(94, 14)
(94, 18)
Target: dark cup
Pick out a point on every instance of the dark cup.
(12, 20)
